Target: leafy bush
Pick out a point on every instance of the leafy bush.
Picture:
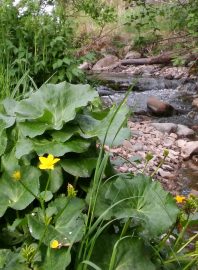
(37, 45)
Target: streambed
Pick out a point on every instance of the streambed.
(176, 175)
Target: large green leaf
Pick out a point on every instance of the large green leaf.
(52, 106)
(24, 146)
(130, 253)
(13, 194)
(98, 127)
(56, 179)
(140, 198)
(76, 145)
(56, 259)
(69, 222)
(42, 146)
(80, 167)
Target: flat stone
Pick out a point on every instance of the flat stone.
(165, 127)
(184, 131)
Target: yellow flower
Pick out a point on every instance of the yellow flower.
(54, 244)
(16, 175)
(48, 162)
(71, 192)
(180, 199)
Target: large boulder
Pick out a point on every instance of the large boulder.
(107, 63)
(159, 108)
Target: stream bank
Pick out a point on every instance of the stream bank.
(173, 86)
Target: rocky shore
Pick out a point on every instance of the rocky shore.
(154, 138)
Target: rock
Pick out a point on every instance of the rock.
(133, 55)
(165, 174)
(168, 142)
(106, 63)
(159, 108)
(184, 131)
(165, 127)
(181, 143)
(195, 103)
(190, 148)
(85, 66)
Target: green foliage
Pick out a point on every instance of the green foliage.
(149, 206)
(131, 253)
(37, 45)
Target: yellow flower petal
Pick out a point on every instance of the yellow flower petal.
(54, 244)
(16, 175)
(50, 158)
(180, 199)
(56, 160)
(42, 159)
(48, 162)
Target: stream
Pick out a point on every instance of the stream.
(177, 92)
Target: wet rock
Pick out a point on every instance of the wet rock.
(184, 131)
(133, 55)
(159, 108)
(165, 127)
(106, 63)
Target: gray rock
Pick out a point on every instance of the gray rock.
(106, 63)
(165, 127)
(184, 131)
(190, 148)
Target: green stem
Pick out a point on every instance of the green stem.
(160, 164)
(181, 258)
(34, 195)
(125, 228)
